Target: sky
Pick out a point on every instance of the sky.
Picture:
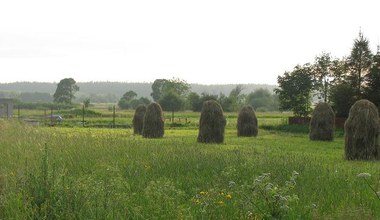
(199, 41)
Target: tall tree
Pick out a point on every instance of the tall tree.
(372, 90)
(295, 90)
(65, 91)
(157, 87)
(323, 73)
(359, 63)
(170, 93)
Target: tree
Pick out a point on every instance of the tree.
(194, 102)
(359, 63)
(126, 99)
(372, 90)
(171, 101)
(342, 96)
(86, 102)
(170, 94)
(134, 103)
(323, 73)
(294, 90)
(65, 91)
(262, 100)
(236, 97)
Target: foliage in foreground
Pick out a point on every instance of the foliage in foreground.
(111, 174)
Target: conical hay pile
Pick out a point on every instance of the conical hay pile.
(211, 123)
(362, 132)
(322, 124)
(138, 119)
(153, 122)
(247, 122)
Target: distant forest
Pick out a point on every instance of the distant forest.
(107, 92)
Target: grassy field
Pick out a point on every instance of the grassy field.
(92, 173)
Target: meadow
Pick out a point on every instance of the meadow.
(74, 172)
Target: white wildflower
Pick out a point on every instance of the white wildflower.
(364, 175)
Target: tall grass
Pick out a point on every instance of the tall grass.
(83, 173)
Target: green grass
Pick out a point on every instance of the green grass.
(90, 173)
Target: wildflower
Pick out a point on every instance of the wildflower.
(220, 202)
(203, 193)
(196, 201)
(231, 184)
(364, 175)
(229, 196)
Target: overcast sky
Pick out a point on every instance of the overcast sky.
(207, 42)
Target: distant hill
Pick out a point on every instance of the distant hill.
(112, 91)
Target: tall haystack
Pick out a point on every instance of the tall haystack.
(138, 119)
(322, 124)
(211, 123)
(153, 122)
(362, 129)
(247, 122)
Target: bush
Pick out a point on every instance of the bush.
(247, 122)
(362, 132)
(211, 123)
(138, 119)
(153, 126)
(322, 124)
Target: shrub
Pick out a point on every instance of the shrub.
(138, 119)
(247, 122)
(362, 132)
(211, 123)
(322, 124)
(153, 126)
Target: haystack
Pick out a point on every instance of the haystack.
(153, 122)
(138, 119)
(247, 122)
(211, 123)
(322, 124)
(362, 129)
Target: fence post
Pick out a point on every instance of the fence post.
(83, 116)
(114, 115)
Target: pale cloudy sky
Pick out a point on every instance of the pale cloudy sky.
(200, 41)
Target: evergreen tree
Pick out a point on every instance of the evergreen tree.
(359, 63)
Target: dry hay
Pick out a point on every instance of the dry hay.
(362, 130)
(322, 124)
(247, 122)
(153, 122)
(138, 119)
(211, 123)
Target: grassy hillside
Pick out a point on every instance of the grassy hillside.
(88, 173)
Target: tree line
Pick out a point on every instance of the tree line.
(175, 95)
(340, 82)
